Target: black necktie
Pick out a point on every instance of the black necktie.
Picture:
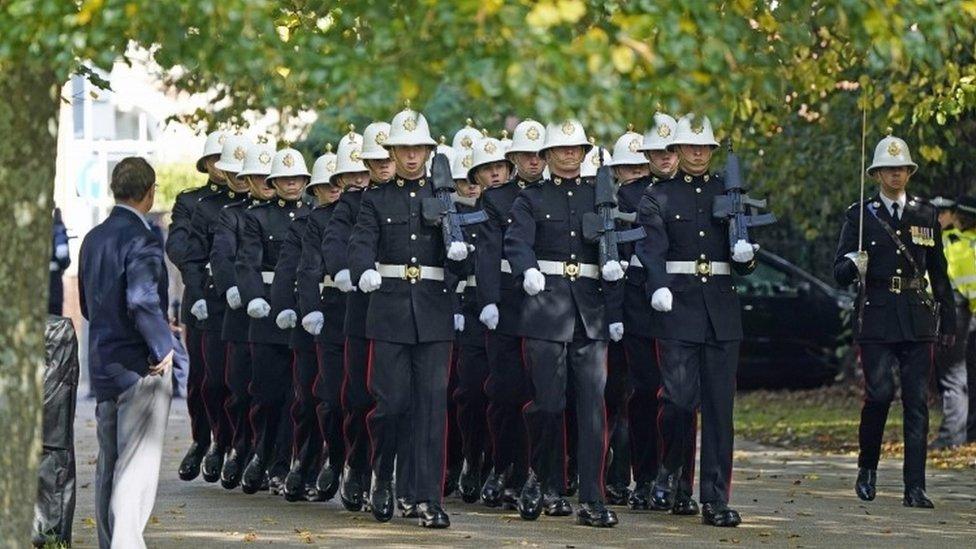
(894, 211)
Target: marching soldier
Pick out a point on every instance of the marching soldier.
(507, 387)
(897, 320)
(208, 304)
(410, 321)
(177, 245)
(265, 229)
(223, 253)
(696, 320)
(566, 322)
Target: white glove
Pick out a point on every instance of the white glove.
(489, 316)
(533, 281)
(459, 323)
(286, 319)
(612, 271)
(313, 322)
(617, 331)
(661, 300)
(234, 297)
(343, 282)
(743, 252)
(457, 251)
(61, 251)
(860, 260)
(258, 308)
(199, 309)
(370, 281)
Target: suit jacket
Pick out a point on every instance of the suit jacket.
(897, 316)
(335, 248)
(677, 215)
(122, 286)
(547, 225)
(311, 272)
(178, 239)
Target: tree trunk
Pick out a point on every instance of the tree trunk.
(28, 145)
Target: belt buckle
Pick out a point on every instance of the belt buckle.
(895, 285)
(411, 272)
(703, 267)
(572, 270)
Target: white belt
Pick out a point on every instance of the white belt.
(208, 269)
(572, 270)
(635, 262)
(327, 282)
(703, 268)
(410, 272)
(470, 282)
(267, 276)
(506, 266)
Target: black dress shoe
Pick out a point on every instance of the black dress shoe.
(617, 495)
(276, 485)
(916, 497)
(530, 500)
(663, 492)
(596, 514)
(253, 476)
(865, 484)
(190, 466)
(719, 514)
(510, 499)
(451, 481)
(555, 505)
(470, 481)
(327, 483)
(431, 515)
(212, 463)
(312, 492)
(294, 485)
(230, 473)
(351, 490)
(407, 507)
(381, 500)
(640, 498)
(685, 505)
(491, 492)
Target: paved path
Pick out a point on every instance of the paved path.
(787, 500)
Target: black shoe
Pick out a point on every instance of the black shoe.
(685, 505)
(312, 493)
(865, 484)
(407, 507)
(640, 498)
(254, 476)
(451, 481)
(916, 497)
(212, 463)
(596, 514)
(510, 499)
(663, 492)
(230, 473)
(556, 506)
(493, 489)
(351, 490)
(942, 444)
(530, 500)
(431, 515)
(190, 466)
(470, 480)
(294, 486)
(327, 483)
(381, 500)
(719, 514)
(617, 495)
(276, 485)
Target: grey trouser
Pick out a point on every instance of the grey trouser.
(130, 448)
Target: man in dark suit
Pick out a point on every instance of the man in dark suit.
(133, 354)
(897, 320)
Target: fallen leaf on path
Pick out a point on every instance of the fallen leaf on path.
(249, 537)
(88, 522)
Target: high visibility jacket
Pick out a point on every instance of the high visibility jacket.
(960, 251)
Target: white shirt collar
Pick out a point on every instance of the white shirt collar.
(139, 214)
(888, 202)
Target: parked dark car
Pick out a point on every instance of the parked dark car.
(796, 333)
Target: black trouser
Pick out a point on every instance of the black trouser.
(913, 361)
(453, 448)
(238, 403)
(270, 384)
(550, 363)
(699, 375)
(507, 389)
(215, 391)
(469, 396)
(328, 389)
(306, 443)
(950, 366)
(409, 384)
(195, 404)
(356, 403)
(617, 395)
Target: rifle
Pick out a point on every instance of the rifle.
(440, 210)
(732, 205)
(600, 226)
